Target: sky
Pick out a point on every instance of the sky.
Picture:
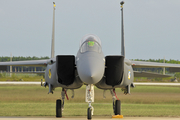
(152, 27)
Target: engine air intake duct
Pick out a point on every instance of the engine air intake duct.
(114, 70)
(65, 65)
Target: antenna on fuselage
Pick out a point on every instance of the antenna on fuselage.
(53, 30)
(122, 30)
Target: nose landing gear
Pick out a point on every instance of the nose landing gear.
(90, 99)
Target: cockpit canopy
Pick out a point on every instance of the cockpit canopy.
(90, 43)
(90, 37)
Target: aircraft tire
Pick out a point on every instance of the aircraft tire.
(117, 107)
(89, 116)
(58, 108)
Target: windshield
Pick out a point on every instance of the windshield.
(90, 46)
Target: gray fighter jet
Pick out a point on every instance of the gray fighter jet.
(91, 68)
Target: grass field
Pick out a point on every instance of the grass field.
(20, 77)
(33, 100)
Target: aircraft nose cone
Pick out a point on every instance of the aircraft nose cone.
(92, 74)
(90, 70)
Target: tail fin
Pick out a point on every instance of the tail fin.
(53, 30)
(122, 31)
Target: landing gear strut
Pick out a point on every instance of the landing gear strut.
(90, 99)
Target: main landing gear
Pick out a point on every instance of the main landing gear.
(60, 104)
(116, 105)
(90, 99)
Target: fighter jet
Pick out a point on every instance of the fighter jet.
(91, 68)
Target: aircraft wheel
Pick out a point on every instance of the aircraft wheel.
(117, 107)
(89, 116)
(58, 108)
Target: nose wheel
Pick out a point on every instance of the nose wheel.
(89, 114)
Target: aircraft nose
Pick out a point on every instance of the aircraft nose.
(90, 70)
(92, 73)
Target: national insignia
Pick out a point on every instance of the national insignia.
(49, 74)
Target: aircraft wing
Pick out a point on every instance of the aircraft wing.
(149, 74)
(27, 72)
(142, 64)
(42, 63)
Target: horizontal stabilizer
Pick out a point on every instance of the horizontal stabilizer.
(149, 74)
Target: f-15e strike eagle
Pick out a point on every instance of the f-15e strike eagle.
(91, 68)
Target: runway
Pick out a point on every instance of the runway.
(21, 83)
(135, 83)
(84, 118)
(158, 84)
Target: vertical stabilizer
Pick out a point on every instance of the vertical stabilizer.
(53, 30)
(122, 31)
